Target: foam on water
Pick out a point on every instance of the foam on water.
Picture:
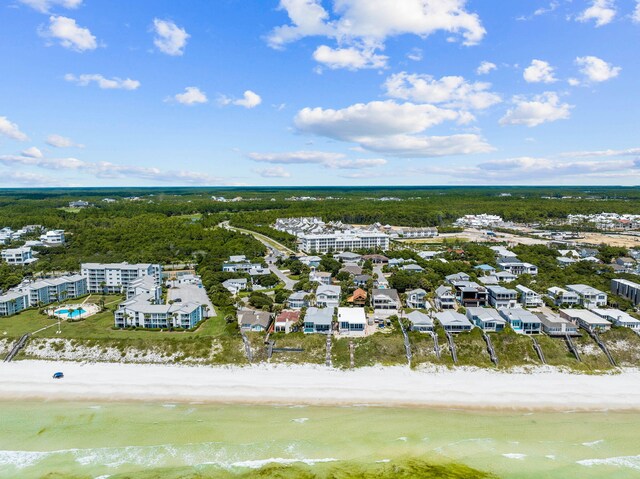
(21, 459)
(301, 420)
(258, 463)
(593, 443)
(515, 455)
(631, 462)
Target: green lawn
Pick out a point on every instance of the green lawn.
(386, 348)
(472, 350)
(313, 345)
(593, 358)
(556, 352)
(340, 353)
(422, 349)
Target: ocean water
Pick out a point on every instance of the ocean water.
(101, 440)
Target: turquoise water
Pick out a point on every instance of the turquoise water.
(71, 314)
(103, 439)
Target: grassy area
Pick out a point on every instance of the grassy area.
(71, 210)
(514, 349)
(340, 356)
(624, 346)
(386, 348)
(556, 352)
(472, 350)
(313, 345)
(593, 358)
(422, 350)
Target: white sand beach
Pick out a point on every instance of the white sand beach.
(540, 389)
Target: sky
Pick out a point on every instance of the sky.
(319, 92)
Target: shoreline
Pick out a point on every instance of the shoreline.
(541, 389)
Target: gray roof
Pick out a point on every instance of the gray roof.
(418, 318)
(389, 293)
(319, 315)
(328, 289)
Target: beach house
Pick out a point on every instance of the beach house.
(589, 297)
(358, 297)
(318, 320)
(416, 298)
(619, 318)
(562, 297)
(445, 298)
(18, 256)
(298, 300)
(501, 297)
(328, 296)
(235, 285)
(453, 322)
(488, 319)
(285, 321)
(420, 321)
(586, 319)
(470, 294)
(555, 325)
(352, 321)
(522, 320)
(528, 297)
(627, 289)
(252, 320)
(385, 302)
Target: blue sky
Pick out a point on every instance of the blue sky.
(311, 92)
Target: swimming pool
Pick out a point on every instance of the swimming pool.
(71, 313)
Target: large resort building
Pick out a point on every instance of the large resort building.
(42, 292)
(349, 241)
(114, 278)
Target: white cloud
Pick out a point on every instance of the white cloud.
(114, 83)
(600, 11)
(415, 54)
(451, 91)
(69, 34)
(539, 72)
(364, 25)
(32, 152)
(249, 100)
(350, 58)
(62, 142)
(328, 159)
(541, 11)
(391, 128)
(274, 172)
(43, 6)
(108, 170)
(11, 178)
(170, 38)
(602, 153)
(596, 69)
(636, 13)
(485, 68)
(11, 130)
(537, 110)
(192, 96)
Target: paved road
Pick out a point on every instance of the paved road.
(288, 283)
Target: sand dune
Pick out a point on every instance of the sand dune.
(392, 386)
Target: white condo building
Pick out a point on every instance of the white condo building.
(21, 256)
(42, 292)
(115, 277)
(348, 241)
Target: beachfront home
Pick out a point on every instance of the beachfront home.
(361, 280)
(240, 267)
(311, 261)
(19, 256)
(505, 276)
(235, 285)
(488, 319)
(328, 296)
(53, 238)
(452, 278)
(376, 259)
(501, 297)
(352, 321)
(586, 319)
(113, 278)
(318, 320)
(528, 297)
(563, 261)
(412, 268)
(252, 320)
(352, 269)
(627, 289)
(522, 320)
(555, 325)
(562, 297)
(453, 322)
(502, 252)
(589, 297)
(416, 298)
(358, 298)
(298, 300)
(285, 321)
(470, 294)
(619, 318)
(385, 302)
(140, 312)
(348, 257)
(420, 322)
(445, 298)
(485, 269)
(381, 282)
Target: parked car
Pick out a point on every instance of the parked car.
(58, 375)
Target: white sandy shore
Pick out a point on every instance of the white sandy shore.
(392, 386)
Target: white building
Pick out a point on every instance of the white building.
(586, 319)
(619, 318)
(589, 297)
(343, 241)
(352, 321)
(328, 296)
(19, 256)
(42, 292)
(53, 238)
(627, 289)
(528, 297)
(561, 296)
(115, 277)
(501, 297)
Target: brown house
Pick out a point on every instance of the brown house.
(358, 298)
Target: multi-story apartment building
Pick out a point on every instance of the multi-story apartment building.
(561, 296)
(42, 292)
(343, 241)
(115, 277)
(53, 237)
(13, 302)
(627, 289)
